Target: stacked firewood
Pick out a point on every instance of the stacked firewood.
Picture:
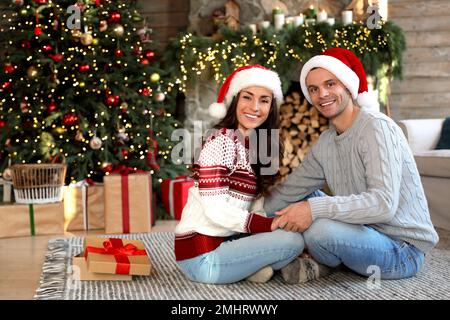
(301, 126)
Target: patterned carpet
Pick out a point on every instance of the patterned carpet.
(168, 283)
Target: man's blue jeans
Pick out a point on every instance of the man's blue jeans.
(362, 249)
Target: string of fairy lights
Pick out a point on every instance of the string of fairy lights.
(267, 49)
(73, 77)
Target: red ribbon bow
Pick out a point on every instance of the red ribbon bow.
(124, 170)
(115, 247)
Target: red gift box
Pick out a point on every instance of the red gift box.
(175, 194)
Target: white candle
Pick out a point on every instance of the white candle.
(310, 22)
(347, 17)
(382, 8)
(322, 16)
(298, 20)
(278, 19)
(252, 26)
(330, 21)
(264, 24)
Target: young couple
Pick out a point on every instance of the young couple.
(377, 216)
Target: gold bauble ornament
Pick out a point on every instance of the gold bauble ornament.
(118, 30)
(76, 34)
(95, 41)
(60, 130)
(82, 84)
(32, 72)
(155, 77)
(87, 39)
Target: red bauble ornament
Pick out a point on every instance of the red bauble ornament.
(2, 123)
(70, 119)
(37, 31)
(25, 44)
(98, 3)
(47, 48)
(118, 53)
(137, 51)
(51, 106)
(8, 68)
(114, 17)
(149, 54)
(107, 168)
(112, 100)
(40, 1)
(144, 61)
(145, 91)
(125, 153)
(84, 67)
(6, 85)
(57, 57)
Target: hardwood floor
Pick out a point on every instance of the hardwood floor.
(21, 261)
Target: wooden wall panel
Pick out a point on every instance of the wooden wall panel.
(425, 90)
(166, 17)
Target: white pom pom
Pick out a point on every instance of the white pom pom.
(369, 100)
(217, 110)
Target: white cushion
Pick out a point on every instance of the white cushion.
(423, 134)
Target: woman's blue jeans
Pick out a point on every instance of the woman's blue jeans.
(241, 256)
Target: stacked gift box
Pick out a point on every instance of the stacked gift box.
(111, 259)
(124, 203)
(18, 220)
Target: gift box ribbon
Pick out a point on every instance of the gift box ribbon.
(84, 184)
(32, 224)
(115, 247)
(124, 172)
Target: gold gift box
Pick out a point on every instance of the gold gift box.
(110, 263)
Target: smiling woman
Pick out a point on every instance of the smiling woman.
(253, 107)
(221, 238)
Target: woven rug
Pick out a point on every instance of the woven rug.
(433, 282)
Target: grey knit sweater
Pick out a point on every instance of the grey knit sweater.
(372, 174)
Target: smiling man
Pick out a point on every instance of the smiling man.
(377, 218)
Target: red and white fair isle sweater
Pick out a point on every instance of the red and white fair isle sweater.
(218, 204)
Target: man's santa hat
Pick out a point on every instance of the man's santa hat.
(348, 69)
(244, 77)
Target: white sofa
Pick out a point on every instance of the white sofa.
(434, 166)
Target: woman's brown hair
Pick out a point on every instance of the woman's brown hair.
(230, 121)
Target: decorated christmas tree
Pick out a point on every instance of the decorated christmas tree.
(80, 84)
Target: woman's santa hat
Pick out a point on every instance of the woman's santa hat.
(348, 69)
(244, 77)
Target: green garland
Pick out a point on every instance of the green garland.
(380, 50)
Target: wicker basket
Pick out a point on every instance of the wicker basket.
(38, 183)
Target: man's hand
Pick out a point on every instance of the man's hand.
(295, 217)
